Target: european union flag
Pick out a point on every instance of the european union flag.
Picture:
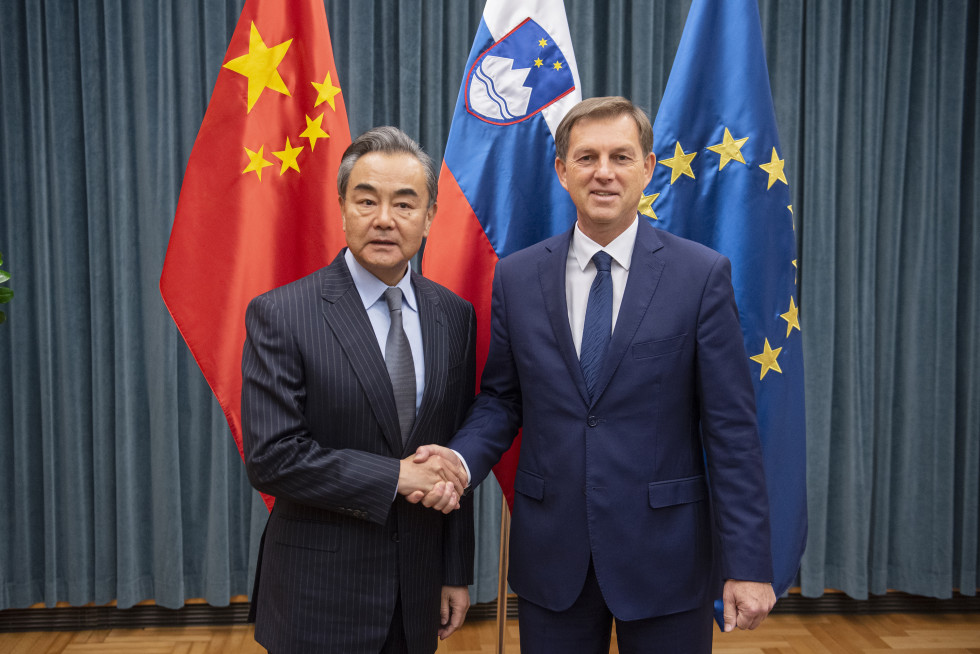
(720, 180)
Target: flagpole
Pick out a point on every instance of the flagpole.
(502, 573)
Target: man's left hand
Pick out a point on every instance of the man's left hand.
(455, 604)
(747, 603)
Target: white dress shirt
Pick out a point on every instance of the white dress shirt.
(580, 272)
(371, 289)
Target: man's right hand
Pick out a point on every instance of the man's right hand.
(436, 481)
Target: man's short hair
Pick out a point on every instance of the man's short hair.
(599, 108)
(387, 140)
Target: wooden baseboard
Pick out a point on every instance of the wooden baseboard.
(197, 613)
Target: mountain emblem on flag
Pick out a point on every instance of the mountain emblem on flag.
(517, 76)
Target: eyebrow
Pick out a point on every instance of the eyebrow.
(364, 186)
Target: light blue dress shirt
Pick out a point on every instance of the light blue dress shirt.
(371, 289)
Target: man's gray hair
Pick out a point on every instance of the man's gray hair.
(388, 140)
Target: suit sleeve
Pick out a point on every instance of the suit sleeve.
(281, 457)
(730, 434)
(458, 538)
(497, 414)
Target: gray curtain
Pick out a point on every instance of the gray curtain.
(118, 476)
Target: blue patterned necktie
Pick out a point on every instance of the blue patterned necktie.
(401, 366)
(598, 322)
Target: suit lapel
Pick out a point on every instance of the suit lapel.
(435, 349)
(646, 269)
(344, 312)
(551, 272)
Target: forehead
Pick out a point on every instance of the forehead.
(614, 131)
(391, 172)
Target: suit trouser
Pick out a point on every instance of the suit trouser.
(586, 628)
(396, 643)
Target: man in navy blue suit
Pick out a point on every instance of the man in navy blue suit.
(639, 495)
(345, 373)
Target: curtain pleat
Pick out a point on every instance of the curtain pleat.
(119, 478)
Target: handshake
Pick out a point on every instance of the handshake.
(434, 476)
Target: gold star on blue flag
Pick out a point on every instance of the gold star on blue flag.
(718, 104)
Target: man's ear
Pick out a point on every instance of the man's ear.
(430, 215)
(343, 213)
(561, 171)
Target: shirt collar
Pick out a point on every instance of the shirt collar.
(620, 248)
(371, 289)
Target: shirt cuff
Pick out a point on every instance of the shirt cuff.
(465, 467)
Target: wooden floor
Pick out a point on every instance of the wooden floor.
(781, 634)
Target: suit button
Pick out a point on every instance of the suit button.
(394, 537)
(593, 421)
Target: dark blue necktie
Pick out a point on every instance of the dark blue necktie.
(598, 322)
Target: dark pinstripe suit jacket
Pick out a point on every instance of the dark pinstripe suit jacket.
(321, 435)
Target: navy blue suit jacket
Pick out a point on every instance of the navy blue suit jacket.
(321, 435)
(624, 478)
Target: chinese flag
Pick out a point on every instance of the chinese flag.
(258, 206)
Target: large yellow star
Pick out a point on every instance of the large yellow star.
(775, 170)
(768, 360)
(256, 162)
(792, 317)
(326, 92)
(538, 63)
(557, 65)
(260, 66)
(288, 157)
(313, 131)
(680, 163)
(646, 205)
(729, 149)
(543, 42)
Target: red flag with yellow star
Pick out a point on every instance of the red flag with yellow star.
(258, 206)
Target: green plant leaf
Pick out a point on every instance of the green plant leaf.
(4, 276)
(5, 295)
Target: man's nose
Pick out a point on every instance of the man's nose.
(604, 171)
(384, 218)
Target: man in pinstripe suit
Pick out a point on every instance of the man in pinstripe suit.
(346, 563)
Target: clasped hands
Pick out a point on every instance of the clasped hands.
(433, 476)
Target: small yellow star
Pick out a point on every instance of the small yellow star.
(538, 63)
(792, 317)
(260, 66)
(729, 149)
(768, 360)
(646, 205)
(543, 42)
(775, 170)
(313, 131)
(680, 163)
(326, 92)
(557, 65)
(256, 162)
(288, 157)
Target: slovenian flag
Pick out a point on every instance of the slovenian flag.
(498, 191)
